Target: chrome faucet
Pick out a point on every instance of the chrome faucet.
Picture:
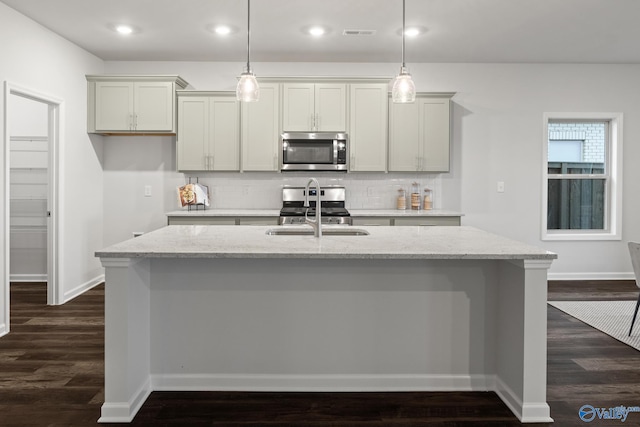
(317, 223)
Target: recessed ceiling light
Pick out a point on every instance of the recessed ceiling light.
(316, 30)
(124, 29)
(222, 29)
(413, 31)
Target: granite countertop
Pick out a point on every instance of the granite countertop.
(276, 212)
(226, 212)
(401, 213)
(204, 241)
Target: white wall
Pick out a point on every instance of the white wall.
(130, 164)
(497, 136)
(34, 58)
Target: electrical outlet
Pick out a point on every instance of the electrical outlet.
(500, 186)
(147, 191)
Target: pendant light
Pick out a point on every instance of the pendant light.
(404, 90)
(248, 89)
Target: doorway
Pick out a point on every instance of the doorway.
(32, 136)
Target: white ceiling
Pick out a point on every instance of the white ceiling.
(554, 31)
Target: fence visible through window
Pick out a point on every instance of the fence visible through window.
(576, 204)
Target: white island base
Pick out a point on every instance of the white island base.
(306, 319)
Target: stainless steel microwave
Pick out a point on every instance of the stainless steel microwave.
(314, 151)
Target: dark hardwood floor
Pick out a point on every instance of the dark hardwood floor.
(52, 374)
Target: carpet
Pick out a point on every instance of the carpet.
(611, 317)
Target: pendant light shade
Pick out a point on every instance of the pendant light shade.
(248, 89)
(403, 90)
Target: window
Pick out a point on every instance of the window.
(582, 177)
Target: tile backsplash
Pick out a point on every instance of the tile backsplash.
(255, 190)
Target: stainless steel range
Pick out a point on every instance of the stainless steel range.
(332, 202)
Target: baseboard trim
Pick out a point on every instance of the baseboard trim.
(526, 412)
(590, 276)
(124, 412)
(79, 290)
(28, 278)
(322, 383)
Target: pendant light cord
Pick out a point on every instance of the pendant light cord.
(403, 20)
(249, 34)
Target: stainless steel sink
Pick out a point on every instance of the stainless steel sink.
(304, 231)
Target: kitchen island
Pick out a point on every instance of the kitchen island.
(403, 308)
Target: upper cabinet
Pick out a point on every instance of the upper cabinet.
(260, 135)
(419, 134)
(368, 127)
(314, 107)
(208, 131)
(217, 133)
(125, 104)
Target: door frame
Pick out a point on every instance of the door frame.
(55, 134)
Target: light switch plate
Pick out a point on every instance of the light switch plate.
(147, 191)
(500, 186)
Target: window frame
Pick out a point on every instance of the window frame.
(613, 173)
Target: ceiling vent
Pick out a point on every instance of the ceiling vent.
(358, 32)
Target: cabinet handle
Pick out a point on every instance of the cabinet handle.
(135, 121)
(353, 162)
(130, 121)
(417, 163)
(317, 121)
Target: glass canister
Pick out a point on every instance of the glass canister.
(415, 196)
(427, 201)
(401, 202)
